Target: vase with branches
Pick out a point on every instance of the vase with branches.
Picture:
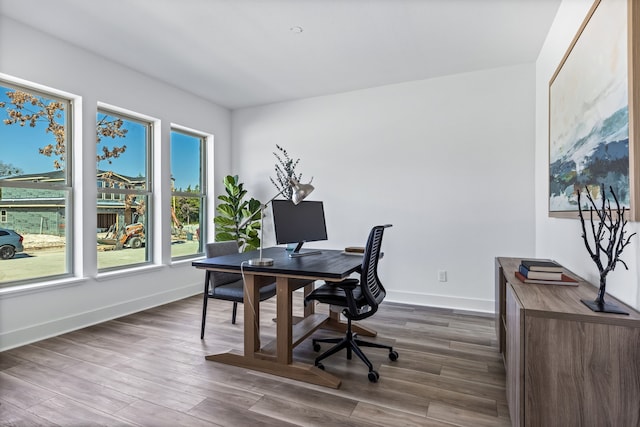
(608, 240)
(285, 170)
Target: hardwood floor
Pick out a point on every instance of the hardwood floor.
(148, 369)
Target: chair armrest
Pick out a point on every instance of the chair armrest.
(348, 285)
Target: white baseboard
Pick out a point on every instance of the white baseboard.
(33, 333)
(19, 337)
(442, 301)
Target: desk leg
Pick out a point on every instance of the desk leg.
(284, 324)
(282, 365)
(251, 316)
(310, 308)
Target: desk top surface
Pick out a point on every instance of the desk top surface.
(329, 264)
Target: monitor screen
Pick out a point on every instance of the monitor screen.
(299, 223)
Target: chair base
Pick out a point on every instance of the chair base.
(352, 345)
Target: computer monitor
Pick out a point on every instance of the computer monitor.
(299, 223)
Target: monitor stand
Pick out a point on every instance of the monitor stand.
(297, 254)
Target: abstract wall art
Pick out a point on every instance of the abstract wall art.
(592, 121)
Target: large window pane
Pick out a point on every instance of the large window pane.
(187, 198)
(122, 177)
(35, 191)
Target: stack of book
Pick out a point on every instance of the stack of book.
(354, 250)
(543, 273)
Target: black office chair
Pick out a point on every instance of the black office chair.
(360, 299)
(227, 286)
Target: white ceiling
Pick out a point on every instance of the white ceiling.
(240, 53)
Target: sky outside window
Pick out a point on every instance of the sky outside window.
(185, 161)
(132, 162)
(19, 145)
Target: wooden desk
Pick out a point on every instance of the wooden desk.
(566, 365)
(290, 274)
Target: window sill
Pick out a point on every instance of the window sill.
(125, 272)
(181, 262)
(30, 288)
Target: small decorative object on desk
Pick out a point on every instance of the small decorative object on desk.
(608, 239)
(543, 273)
(354, 249)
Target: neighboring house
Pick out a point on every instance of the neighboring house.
(118, 209)
(35, 210)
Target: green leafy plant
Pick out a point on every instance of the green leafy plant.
(232, 214)
(285, 169)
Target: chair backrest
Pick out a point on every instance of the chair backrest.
(218, 249)
(370, 284)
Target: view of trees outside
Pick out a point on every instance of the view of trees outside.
(34, 182)
(35, 186)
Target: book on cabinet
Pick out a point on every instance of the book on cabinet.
(541, 265)
(565, 280)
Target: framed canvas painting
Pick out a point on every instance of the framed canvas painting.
(593, 117)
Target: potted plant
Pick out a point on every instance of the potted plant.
(233, 212)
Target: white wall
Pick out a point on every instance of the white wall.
(447, 161)
(560, 239)
(71, 304)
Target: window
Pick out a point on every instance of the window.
(187, 193)
(123, 177)
(35, 181)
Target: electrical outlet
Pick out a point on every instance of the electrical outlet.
(442, 275)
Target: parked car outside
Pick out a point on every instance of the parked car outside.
(10, 243)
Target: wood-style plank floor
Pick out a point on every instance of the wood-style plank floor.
(148, 369)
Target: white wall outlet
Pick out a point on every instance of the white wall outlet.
(442, 275)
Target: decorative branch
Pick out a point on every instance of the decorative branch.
(285, 169)
(611, 228)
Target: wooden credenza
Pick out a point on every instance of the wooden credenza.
(566, 365)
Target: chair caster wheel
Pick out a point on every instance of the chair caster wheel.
(373, 376)
(316, 347)
(320, 366)
(393, 355)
